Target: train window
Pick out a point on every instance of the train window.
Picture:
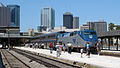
(60, 35)
(92, 32)
(51, 36)
(66, 34)
(42, 37)
(76, 32)
(72, 33)
(79, 33)
(86, 33)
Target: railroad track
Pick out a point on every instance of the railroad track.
(12, 61)
(48, 62)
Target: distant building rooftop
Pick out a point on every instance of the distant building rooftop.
(100, 21)
(67, 13)
(116, 25)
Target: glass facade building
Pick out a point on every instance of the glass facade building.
(15, 15)
(48, 18)
(68, 20)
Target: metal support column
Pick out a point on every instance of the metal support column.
(102, 43)
(117, 44)
(8, 40)
(108, 43)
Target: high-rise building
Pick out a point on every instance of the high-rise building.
(5, 19)
(68, 20)
(4, 16)
(15, 15)
(75, 22)
(48, 18)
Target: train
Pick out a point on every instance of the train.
(78, 39)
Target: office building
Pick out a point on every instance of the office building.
(48, 18)
(15, 15)
(5, 26)
(100, 26)
(75, 22)
(68, 20)
(4, 16)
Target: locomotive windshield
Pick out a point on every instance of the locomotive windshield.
(86, 32)
(89, 32)
(92, 32)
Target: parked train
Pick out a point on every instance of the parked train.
(77, 38)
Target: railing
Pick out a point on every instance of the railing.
(10, 35)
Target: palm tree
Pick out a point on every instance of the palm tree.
(111, 26)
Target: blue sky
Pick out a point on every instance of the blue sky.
(86, 10)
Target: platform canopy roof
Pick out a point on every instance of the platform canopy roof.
(114, 33)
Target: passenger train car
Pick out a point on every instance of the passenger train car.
(47, 38)
(77, 38)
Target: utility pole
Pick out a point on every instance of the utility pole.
(89, 25)
(61, 28)
(8, 39)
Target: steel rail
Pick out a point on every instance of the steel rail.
(49, 62)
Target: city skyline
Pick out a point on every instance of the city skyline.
(86, 11)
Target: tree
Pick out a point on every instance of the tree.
(118, 28)
(111, 26)
(92, 28)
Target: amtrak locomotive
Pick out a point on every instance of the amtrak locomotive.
(77, 38)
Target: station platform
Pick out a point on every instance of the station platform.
(95, 60)
(110, 53)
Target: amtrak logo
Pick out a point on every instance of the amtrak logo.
(90, 36)
(74, 40)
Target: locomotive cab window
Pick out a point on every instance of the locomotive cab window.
(72, 34)
(66, 34)
(92, 32)
(60, 35)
